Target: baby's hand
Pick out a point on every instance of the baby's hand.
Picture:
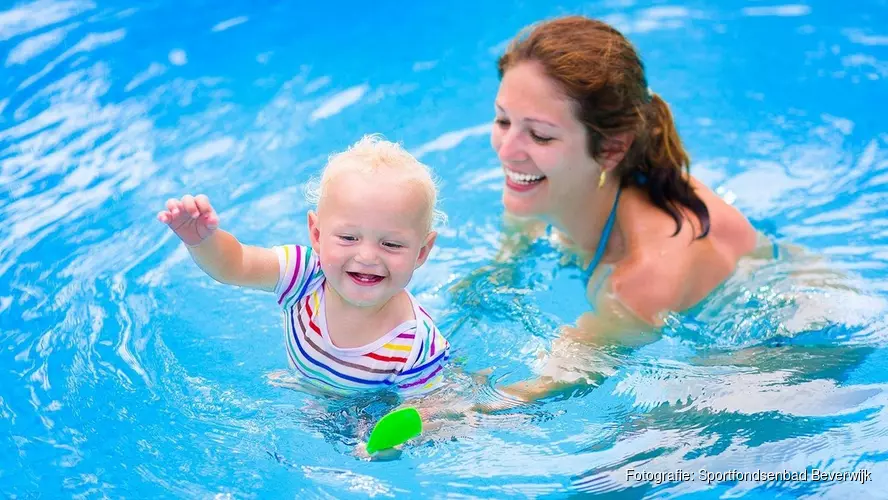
(192, 218)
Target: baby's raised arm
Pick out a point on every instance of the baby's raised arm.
(215, 251)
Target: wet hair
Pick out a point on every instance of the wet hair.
(600, 71)
(374, 155)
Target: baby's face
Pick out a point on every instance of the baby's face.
(370, 233)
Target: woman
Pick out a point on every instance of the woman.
(589, 150)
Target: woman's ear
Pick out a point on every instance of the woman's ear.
(614, 149)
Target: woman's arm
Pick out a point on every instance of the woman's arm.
(587, 352)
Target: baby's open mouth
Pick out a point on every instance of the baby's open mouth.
(365, 279)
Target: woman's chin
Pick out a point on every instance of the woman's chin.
(522, 205)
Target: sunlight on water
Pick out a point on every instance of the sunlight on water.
(128, 373)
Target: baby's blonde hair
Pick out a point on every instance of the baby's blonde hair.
(373, 154)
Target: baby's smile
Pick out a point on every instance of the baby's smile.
(364, 279)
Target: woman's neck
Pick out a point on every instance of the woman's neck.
(583, 221)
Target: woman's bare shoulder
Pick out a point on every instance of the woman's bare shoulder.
(665, 272)
(649, 287)
(730, 230)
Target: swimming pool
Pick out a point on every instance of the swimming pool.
(124, 372)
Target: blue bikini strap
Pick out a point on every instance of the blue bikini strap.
(605, 234)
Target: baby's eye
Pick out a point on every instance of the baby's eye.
(347, 237)
(391, 244)
(502, 122)
(539, 139)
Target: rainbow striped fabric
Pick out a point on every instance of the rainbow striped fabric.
(409, 358)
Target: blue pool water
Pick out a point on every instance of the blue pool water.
(126, 373)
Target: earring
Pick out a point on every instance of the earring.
(601, 179)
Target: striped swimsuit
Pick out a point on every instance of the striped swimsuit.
(409, 358)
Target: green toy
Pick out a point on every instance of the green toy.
(395, 428)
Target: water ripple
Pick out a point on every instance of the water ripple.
(128, 372)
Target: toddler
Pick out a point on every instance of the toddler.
(350, 322)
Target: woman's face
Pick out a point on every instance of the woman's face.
(541, 144)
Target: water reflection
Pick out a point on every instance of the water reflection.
(127, 371)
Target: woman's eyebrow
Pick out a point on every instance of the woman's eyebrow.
(534, 120)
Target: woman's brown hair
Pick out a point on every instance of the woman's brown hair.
(599, 69)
